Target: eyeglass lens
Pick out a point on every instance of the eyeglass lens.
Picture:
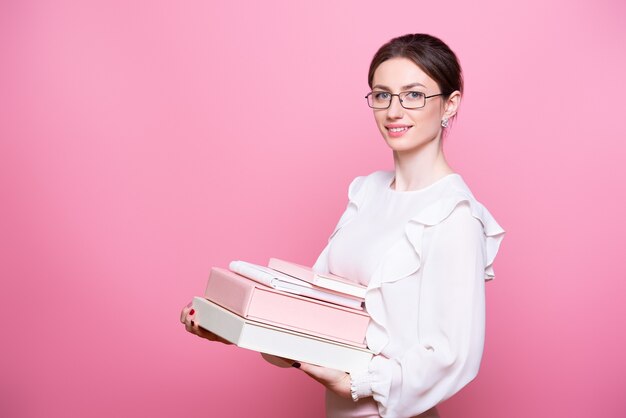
(409, 99)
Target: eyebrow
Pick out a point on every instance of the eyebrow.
(408, 86)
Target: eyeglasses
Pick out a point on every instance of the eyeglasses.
(408, 99)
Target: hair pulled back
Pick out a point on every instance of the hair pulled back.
(429, 53)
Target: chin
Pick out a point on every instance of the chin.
(404, 145)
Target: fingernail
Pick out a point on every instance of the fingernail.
(191, 312)
(296, 365)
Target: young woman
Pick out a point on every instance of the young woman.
(418, 239)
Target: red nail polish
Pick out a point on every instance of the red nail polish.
(191, 312)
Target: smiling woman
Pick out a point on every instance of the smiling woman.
(420, 242)
(418, 239)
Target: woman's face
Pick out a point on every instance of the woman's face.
(424, 124)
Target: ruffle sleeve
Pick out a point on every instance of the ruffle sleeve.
(447, 355)
(404, 258)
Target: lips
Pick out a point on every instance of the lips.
(403, 129)
(396, 127)
(396, 131)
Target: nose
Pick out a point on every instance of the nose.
(395, 109)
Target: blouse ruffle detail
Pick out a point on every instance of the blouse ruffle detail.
(403, 259)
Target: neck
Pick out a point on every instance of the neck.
(420, 167)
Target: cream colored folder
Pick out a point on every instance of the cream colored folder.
(278, 341)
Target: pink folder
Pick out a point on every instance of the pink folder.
(257, 302)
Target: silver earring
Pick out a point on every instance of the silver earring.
(444, 122)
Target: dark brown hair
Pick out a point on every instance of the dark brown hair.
(429, 53)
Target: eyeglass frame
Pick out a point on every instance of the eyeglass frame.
(398, 94)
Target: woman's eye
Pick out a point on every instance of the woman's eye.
(414, 95)
(381, 96)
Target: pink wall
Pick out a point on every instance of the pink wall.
(129, 166)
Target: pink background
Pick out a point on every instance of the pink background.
(132, 162)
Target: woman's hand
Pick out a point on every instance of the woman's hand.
(187, 317)
(335, 380)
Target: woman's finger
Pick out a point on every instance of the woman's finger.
(187, 317)
(322, 374)
(189, 320)
(184, 312)
(201, 332)
(311, 369)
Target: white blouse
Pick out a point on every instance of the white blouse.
(424, 256)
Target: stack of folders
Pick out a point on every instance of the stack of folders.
(287, 310)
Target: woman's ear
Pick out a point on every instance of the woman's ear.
(452, 104)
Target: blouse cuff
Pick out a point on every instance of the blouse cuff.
(361, 383)
(376, 380)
